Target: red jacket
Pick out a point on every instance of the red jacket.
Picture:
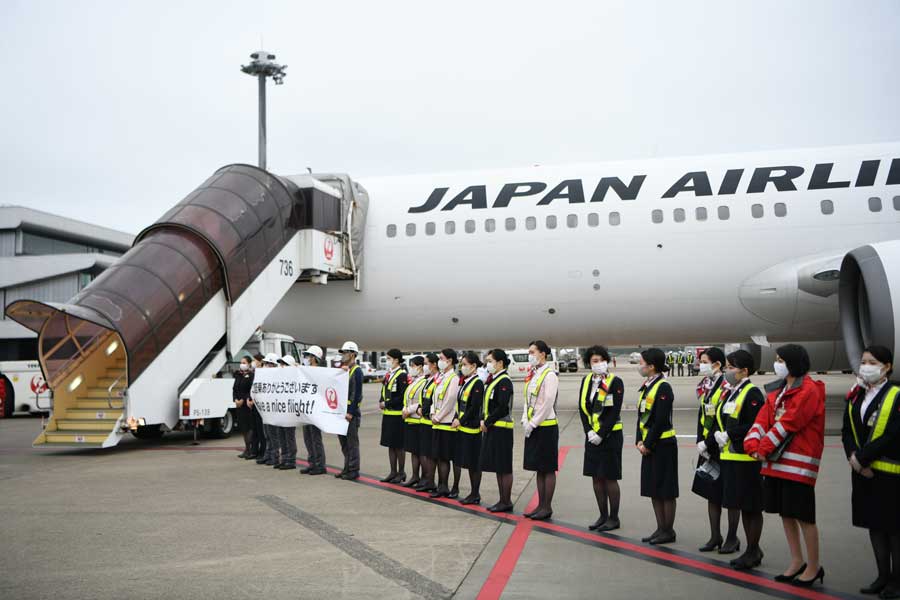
(802, 412)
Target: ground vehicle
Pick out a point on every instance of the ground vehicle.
(25, 390)
(518, 362)
(368, 371)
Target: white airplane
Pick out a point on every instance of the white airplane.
(779, 246)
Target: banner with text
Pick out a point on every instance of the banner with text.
(292, 396)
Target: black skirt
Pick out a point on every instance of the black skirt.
(711, 489)
(876, 502)
(411, 437)
(426, 438)
(497, 451)
(392, 434)
(659, 471)
(742, 486)
(604, 461)
(443, 444)
(244, 417)
(790, 499)
(468, 450)
(542, 450)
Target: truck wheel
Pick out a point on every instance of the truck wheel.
(148, 432)
(222, 428)
(9, 397)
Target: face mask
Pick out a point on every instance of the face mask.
(245, 367)
(781, 370)
(442, 364)
(492, 367)
(467, 370)
(731, 376)
(870, 373)
(706, 369)
(600, 368)
(644, 371)
(415, 371)
(533, 360)
(304, 361)
(345, 359)
(482, 373)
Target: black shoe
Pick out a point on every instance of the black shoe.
(610, 525)
(425, 487)
(541, 515)
(791, 577)
(398, 479)
(340, 475)
(317, 471)
(875, 587)
(412, 483)
(350, 476)
(748, 560)
(288, 466)
(730, 547)
(663, 538)
(305, 470)
(596, 524)
(892, 590)
(387, 479)
(250, 457)
(528, 515)
(438, 493)
(651, 536)
(500, 507)
(243, 454)
(260, 461)
(269, 463)
(453, 495)
(714, 543)
(820, 577)
(470, 499)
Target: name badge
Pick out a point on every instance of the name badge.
(710, 409)
(871, 422)
(394, 387)
(728, 408)
(643, 406)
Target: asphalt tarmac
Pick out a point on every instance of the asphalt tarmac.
(169, 519)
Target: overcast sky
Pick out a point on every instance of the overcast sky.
(113, 111)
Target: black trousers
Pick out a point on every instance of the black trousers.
(350, 447)
(259, 439)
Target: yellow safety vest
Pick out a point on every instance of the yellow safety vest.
(645, 404)
(464, 399)
(708, 409)
(727, 453)
(386, 394)
(530, 398)
(409, 394)
(427, 394)
(441, 393)
(885, 465)
(604, 398)
(507, 421)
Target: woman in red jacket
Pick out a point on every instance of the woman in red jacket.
(788, 436)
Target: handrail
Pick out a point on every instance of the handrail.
(109, 390)
(37, 402)
(72, 362)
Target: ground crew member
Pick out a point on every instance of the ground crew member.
(789, 436)
(392, 425)
(712, 361)
(430, 371)
(270, 456)
(657, 444)
(286, 436)
(871, 436)
(741, 479)
(670, 361)
(600, 406)
(443, 409)
(541, 428)
(470, 406)
(350, 442)
(240, 393)
(412, 399)
(497, 425)
(312, 435)
(680, 360)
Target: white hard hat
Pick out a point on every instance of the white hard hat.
(350, 347)
(288, 360)
(271, 358)
(314, 351)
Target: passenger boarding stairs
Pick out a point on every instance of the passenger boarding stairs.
(187, 297)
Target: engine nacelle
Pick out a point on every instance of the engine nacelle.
(869, 298)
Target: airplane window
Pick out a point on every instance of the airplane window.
(615, 219)
(875, 204)
(470, 226)
(410, 229)
(780, 209)
(450, 227)
(700, 213)
(572, 221)
(510, 224)
(827, 207)
(656, 215)
(530, 223)
(896, 202)
(490, 225)
(594, 219)
(757, 211)
(679, 215)
(724, 213)
(391, 230)
(551, 221)
(429, 228)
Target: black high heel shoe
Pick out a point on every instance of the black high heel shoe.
(820, 577)
(791, 577)
(712, 544)
(875, 587)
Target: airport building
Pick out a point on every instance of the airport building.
(48, 258)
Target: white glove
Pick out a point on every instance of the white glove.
(524, 419)
(528, 428)
(721, 438)
(854, 463)
(701, 448)
(594, 438)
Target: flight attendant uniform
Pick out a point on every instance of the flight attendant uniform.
(659, 469)
(497, 446)
(470, 401)
(741, 479)
(425, 427)
(443, 409)
(600, 408)
(392, 392)
(872, 430)
(412, 399)
(710, 399)
(542, 446)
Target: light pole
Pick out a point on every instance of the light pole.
(262, 66)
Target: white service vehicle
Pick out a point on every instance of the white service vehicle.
(23, 388)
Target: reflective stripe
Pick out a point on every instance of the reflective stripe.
(443, 426)
(793, 470)
(410, 393)
(753, 436)
(469, 430)
(801, 458)
(781, 430)
(537, 390)
(646, 400)
(617, 427)
(884, 413)
(594, 418)
(706, 421)
(667, 434)
(489, 393)
(885, 465)
(772, 437)
(385, 387)
(548, 423)
(503, 424)
(412, 420)
(392, 413)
